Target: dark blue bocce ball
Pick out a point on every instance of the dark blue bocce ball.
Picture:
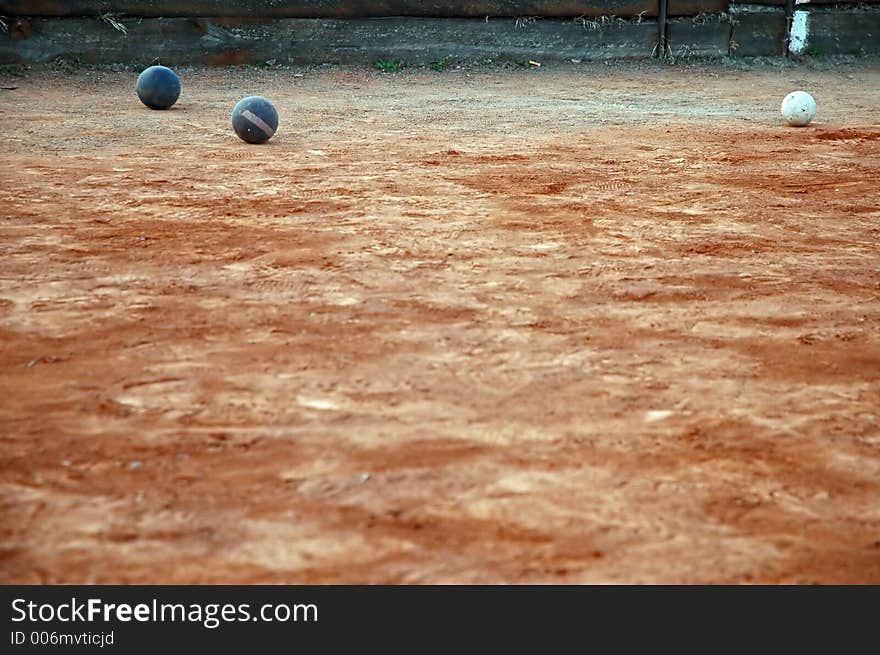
(254, 119)
(158, 87)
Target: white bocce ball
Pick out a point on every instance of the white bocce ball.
(798, 108)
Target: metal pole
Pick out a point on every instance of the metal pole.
(661, 25)
(789, 17)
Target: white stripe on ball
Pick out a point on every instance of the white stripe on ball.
(259, 122)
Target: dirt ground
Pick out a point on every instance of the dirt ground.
(575, 324)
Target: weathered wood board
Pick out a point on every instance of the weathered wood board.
(782, 3)
(758, 30)
(413, 40)
(834, 31)
(363, 9)
(704, 37)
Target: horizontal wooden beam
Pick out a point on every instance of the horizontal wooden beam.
(416, 41)
(347, 9)
(323, 8)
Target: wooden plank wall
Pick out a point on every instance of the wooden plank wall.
(356, 9)
(416, 41)
(308, 31)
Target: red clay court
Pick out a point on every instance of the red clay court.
(576, 324)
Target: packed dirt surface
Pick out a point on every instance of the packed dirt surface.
(575, 324)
